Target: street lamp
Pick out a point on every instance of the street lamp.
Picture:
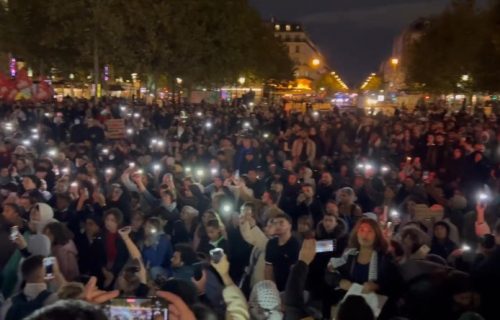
(242, 80)
(178, 80)
(316, 62)
(394, 61)
(465, 77)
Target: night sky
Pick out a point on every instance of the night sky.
(354, 35)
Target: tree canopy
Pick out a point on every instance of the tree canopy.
(204, 42)
(459, 51)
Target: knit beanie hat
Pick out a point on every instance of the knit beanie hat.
(265, 301)
(39, 244)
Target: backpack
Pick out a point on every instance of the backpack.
(22, 308)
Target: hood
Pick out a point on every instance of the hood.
(39, 244)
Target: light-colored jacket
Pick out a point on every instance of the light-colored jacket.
(236, 304)
(258, 240)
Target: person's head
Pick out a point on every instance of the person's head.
(329, 221)
(270, 197)
(69, 309)
(346, 196)
(189, 213)
(58, 233)
(214, 230)
(113, 219)
(248, 208)
(32, 269)
(412, 239)
(184, 255)
(31, 182)
(137, 221)
(497, 233)
(92, 225)
(282, 224)
(264, 302)
(71, 290)
(304, 224)
(355, 308)
(308, 190)
(12, 213)
(207, 216)
(128, 280)
(292, 179)
(332, 208)
(441, 230)
(326, 178)
(63, 200)
(368, 234)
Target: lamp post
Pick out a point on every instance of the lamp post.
(394, 63)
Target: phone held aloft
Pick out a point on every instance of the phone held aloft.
(152, 308)
(326, 246)
(14, 233)
(48, 264)
(216, 254)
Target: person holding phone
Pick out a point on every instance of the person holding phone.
(114, 246)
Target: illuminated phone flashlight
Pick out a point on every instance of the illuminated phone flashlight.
(226, 208)
(136, 115)
(160, 143)
(131, 164)
(214, 171)
(265, 135)
(8, 126)
(27, 142)
(199, 113)
(65, 170)
(483, 196)
(52, 152)
(154, 141)
(315, 114)
(246, 124)
(109, 171)
(34, 130)
(360, 166)
(105, 151)
(140, 171)
(466, 248)
(368, 167)
(385, 169)
(156, 167)
(153, 230)
(394, 214)
(208, 125)
(188, 169)
(130, 131)
(47, 114)
(74, 184)
(123, 108)
(35, 136)
(408, 158)
(200, 172)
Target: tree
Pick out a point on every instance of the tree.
(329, 83)
(448, 49)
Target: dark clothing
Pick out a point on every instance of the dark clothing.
(293, 300)
(325, 193)
(314, 210)
(282, 258)
(443, 249)
(486, 277)
(94, 249)
(121, 256)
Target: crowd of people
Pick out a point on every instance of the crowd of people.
(248, 212)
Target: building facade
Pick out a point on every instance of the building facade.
(310, 64)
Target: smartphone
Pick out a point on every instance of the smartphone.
(48, 264)
(14, 233)
(152, 308)
(325, 246)
(216, 254)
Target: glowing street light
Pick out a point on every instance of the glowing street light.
(242, 80)
(465, 77)
(316, 62)
(178, 80)
(394, 61)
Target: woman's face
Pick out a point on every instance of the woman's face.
(137, 222)
(91, 228)
(111, 223)
(366, 235)
(213, 233)
(440, 232)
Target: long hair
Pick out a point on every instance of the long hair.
(380, 244)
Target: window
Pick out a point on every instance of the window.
(277, 27)
(297, 49)
(288, 27)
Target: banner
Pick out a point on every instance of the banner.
(23, 88)
(115, 129)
